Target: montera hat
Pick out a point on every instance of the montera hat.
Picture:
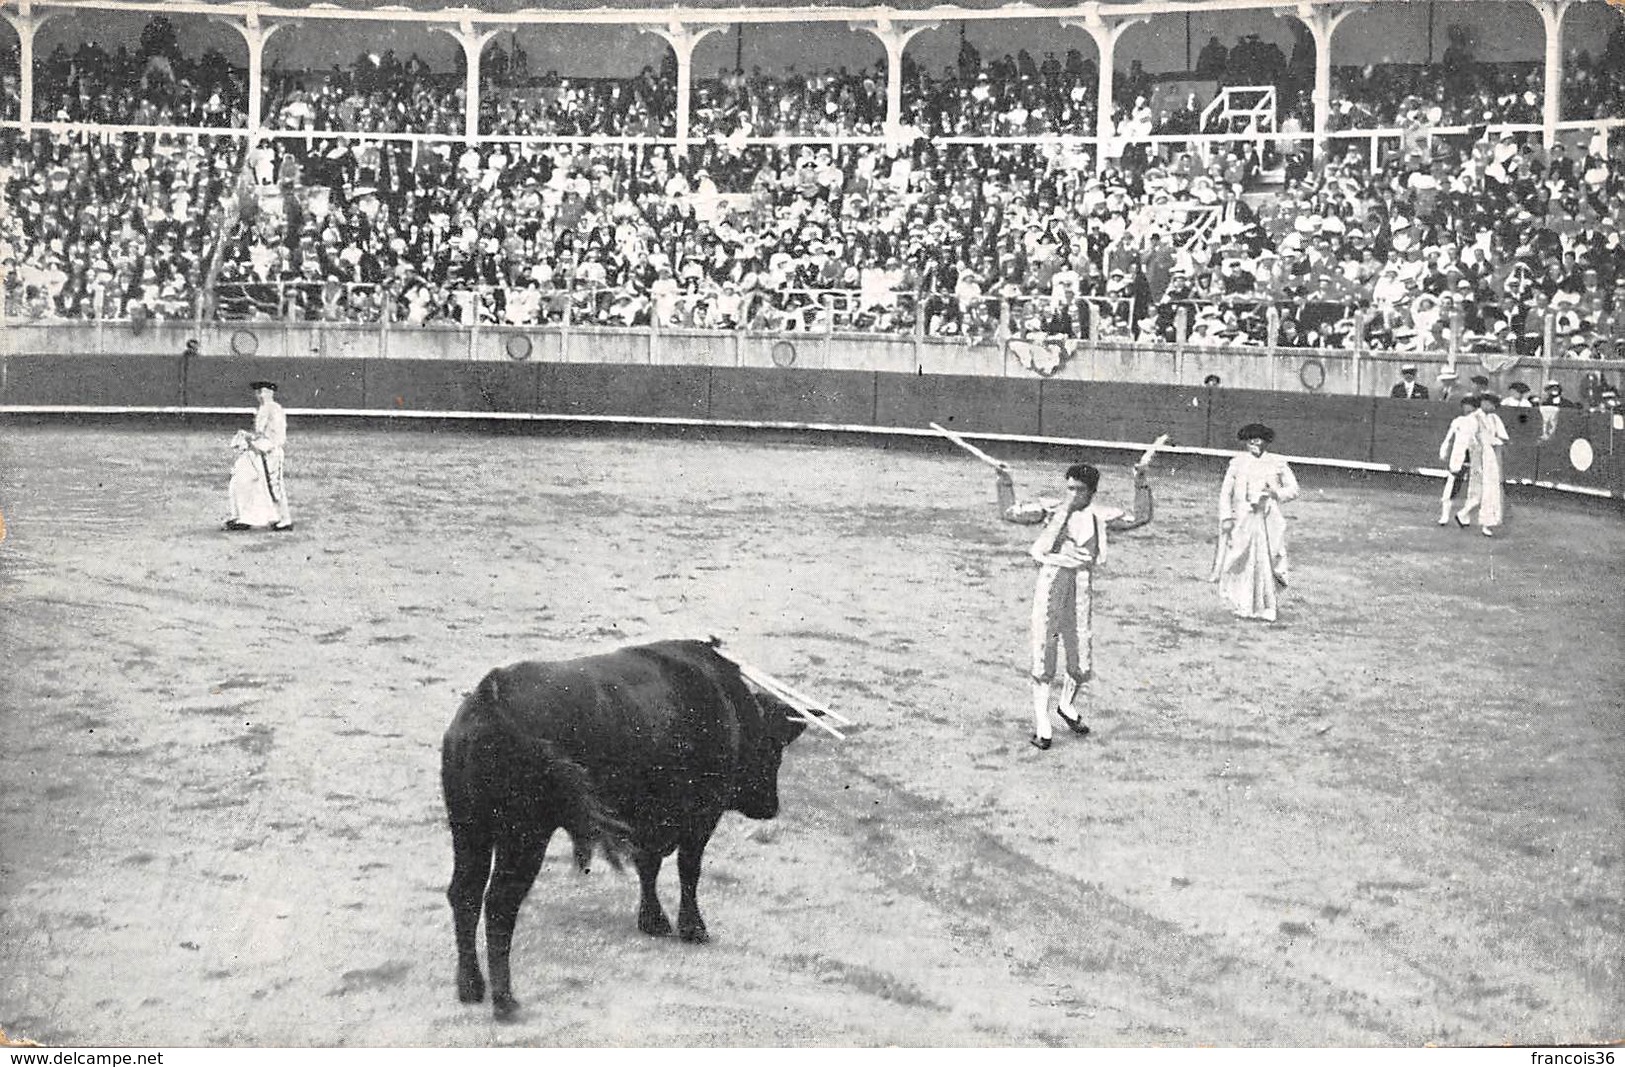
(262, 384)
(1256, 429)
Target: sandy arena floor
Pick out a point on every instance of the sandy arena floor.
(1393, 818)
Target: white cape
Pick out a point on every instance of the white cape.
(250, 493)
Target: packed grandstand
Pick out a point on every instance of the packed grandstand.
(1426, 211)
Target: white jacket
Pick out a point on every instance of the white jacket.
(1453, 449)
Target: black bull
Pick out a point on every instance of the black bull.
(636, 752)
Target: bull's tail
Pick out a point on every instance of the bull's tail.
(541, 782)
(592, 826)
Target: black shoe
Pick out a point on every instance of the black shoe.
(1077, 726)
(1040, 743)
(282, 528)
(1280, 580)
(233, 524)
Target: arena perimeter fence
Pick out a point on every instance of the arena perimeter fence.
(987, 352)
(1233, 319)
(1330, 408)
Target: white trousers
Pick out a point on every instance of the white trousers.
(1063, 622)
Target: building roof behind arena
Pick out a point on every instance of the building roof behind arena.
(686, 10)
(664, 6)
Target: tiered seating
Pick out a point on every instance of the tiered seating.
(157, 88)
(1475, 237)
(121, 227)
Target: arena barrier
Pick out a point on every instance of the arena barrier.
(1361, 433)
(1305, 372)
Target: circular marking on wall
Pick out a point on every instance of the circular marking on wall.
(1580, 454)
(517, 346)
(784, 354)
(244, 343)
(1312, 374)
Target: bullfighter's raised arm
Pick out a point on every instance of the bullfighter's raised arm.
(1025, 512)
(1033, 512)
(1144, 507)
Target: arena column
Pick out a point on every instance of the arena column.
(1105, 31)
(1551, 16)
(473, 42)
(255, 34)
(27, 24)
(893, 38)
(1322, 23)
(683, 37)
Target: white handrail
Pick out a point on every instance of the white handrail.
(1074, 140)
(1070, 140)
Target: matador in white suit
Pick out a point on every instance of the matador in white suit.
(1252, 565)
(1484, 492)
(1067, 552)
(263, 450)
(1455, 451)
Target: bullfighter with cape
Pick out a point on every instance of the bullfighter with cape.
(1252, 567)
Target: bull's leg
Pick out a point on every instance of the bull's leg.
(690, 926)
(518, 860)
(651, 916)
(471, 867)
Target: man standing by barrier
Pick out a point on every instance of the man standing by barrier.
(1408, 387)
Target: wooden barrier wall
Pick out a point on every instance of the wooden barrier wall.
(1308, 372)
(1403, 435)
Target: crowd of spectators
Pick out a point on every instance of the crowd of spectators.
(152, 85)
(1009, 96)
(115, 228)
(1468, 94)
(1471, 241)
(1594, 86)
(551, 106)
(377, 94)
(1474, 246)
(824, 103)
